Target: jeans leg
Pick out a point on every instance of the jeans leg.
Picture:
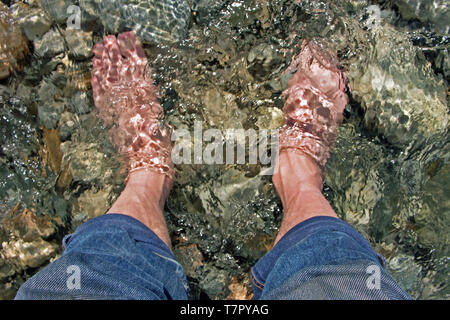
(113, 256)
(322, 258)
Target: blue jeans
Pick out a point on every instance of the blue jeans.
(117, 257)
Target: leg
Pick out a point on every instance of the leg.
(126, 99)
(124, 254)
(298, 181)
(316, 255)
(143, 199)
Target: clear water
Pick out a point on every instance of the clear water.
(228, 72)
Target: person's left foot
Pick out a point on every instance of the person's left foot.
(315, 103)
(126, 99)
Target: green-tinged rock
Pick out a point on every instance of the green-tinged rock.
(405, 271)
(403, 98)
(81, 102)
(152, 20)
(86, 162)
(33, 21)
(68, 123)
(262, 60)
(433, 216)
(434, 12)
(79, 44)
(50, 113)
(51, 44)
(356, 172)
(57, 9)
(215, 283)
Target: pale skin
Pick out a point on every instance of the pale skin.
(297, 177)
(298, 181)
(143, 199)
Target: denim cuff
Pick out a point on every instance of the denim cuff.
(136, 230)
(301, 231)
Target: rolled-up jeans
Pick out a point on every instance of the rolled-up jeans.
(115, 256)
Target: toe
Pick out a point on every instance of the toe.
(111, 59)
(104, 70)
(98, 50)
(132, 49)
(97, 63)
(97, 71)
(127, 43)
(113, 49)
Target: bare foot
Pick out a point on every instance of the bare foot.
(126, 100)
(315, 102)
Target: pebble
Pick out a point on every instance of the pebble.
(79, 43)
(32, 20)
(51, 44)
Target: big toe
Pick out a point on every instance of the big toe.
(111, 45)
(131, 48)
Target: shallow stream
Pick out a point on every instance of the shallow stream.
(222, 63)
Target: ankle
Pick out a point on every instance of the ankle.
(154, 186)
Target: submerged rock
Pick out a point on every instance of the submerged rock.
(205, 10)
(31, 254)
(79, 44)
(67, 125)
(13, 44)
(405, 270)
(81, 103)
(433, 12)
(50, 105)
(262, 60)
(20, 171)
(57, 9)
(239, 290)
(404, 100)
(24, 246)
(189, 256)
(91, 203)
(51, 44)
(152, 20)
(355, 172)
(443, 63)
(50, 113)
(86, 162)
(216, 104)
(33, 21)
(214, 284)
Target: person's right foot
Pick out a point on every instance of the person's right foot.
(315, 102)
(126, 99)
